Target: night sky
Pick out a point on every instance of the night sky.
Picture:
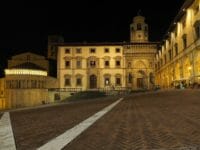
(25, 25)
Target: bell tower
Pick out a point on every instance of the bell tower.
(139, 30)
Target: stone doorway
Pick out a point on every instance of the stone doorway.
(93, 82)
(140, 83)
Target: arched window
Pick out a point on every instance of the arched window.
(130, 78)
(67, 80)
(197, 29)
(139, 26)
(118, 80)
(79, 80)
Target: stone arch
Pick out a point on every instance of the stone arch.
(93, 81)
(141, 78)
(140, 64)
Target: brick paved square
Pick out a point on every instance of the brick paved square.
(162, 120)
(33, 128)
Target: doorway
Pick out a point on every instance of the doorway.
(93, 82)
(140, 83)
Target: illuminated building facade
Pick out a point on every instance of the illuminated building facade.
(26, 82)
(178, 60)
(2, 94)
(125, 65)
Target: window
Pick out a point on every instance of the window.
(197, 29)
(117, 50)
(184, 23)
(107, 63)
(67, 64)
(139, 26)
(165, 57)
(175, 32)
(78, 64)
(106, 50)
(184, 38)
(92, 63)
(92, 50)
(78, 50)
(176, 49)
(78, 81)
(107, 81)
(67, 51)
(130, 78)
(67, 82)
(118, 81)
(118, 64)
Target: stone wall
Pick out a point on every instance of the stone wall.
(17, 98)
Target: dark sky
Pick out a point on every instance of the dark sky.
(25, 25)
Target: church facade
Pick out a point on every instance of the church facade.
(125, 65)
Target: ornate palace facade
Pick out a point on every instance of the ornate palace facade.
(107, 65)
(178, 61)
(138, 63)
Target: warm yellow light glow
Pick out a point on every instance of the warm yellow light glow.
(160, 53)
(178, 28)
(189, 68)
(25, 72)
(189, 16)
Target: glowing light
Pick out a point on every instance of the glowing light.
(25, 72)
(189, 68)
(189, 16)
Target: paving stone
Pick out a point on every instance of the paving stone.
(6, 134)
(35, 127)
(154, 121)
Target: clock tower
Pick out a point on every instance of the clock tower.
(139, 30)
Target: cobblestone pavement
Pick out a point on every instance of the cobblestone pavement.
(162, 120)
(33, 128)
